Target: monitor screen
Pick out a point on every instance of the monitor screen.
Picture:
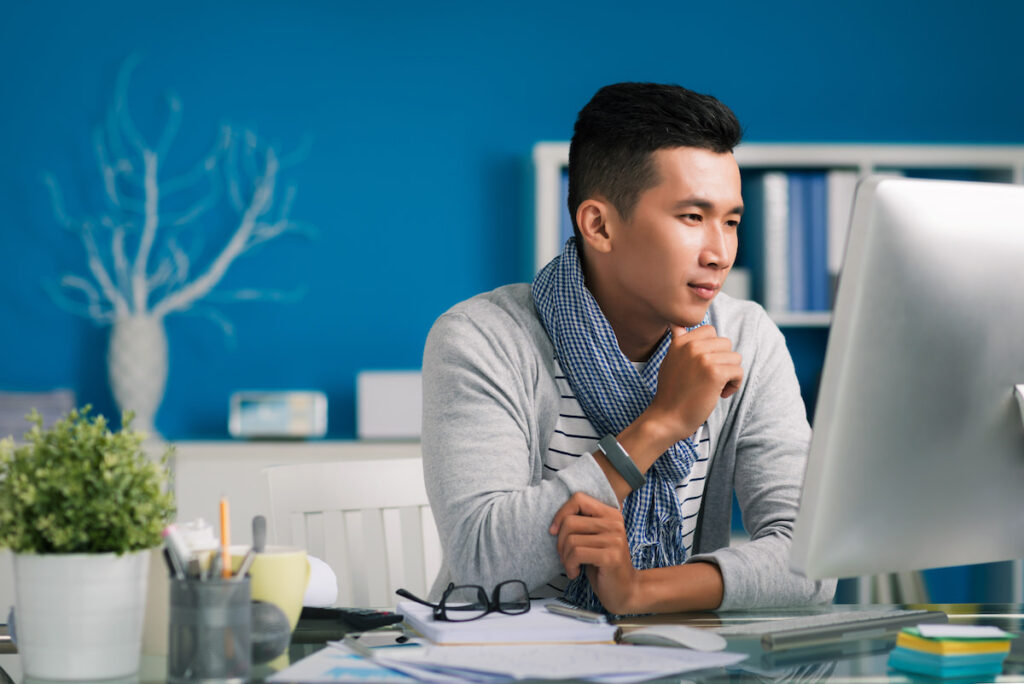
(917, 457)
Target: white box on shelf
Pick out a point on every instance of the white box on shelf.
(389, 404)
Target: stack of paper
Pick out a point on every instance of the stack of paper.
(951, 650)
(536, 626)
(589, 662)
(600, 663)
(500, 649)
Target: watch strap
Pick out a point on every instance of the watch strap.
(621, 461)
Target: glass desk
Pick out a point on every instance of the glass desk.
(859, 661)
(864, 660)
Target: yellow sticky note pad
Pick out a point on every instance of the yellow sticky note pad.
(950, 647)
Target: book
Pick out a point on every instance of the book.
(776, 241)
(816, 225)
(538, 626)
(797, 231)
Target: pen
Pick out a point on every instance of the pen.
(173, 563)
(214, 568)
(177, 546)
(359, 648)
(225, 539)
(195, 569)
(573, 612)
(246, 564)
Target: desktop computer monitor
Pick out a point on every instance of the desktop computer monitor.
(917, 456)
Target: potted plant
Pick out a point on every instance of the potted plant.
(80, 507)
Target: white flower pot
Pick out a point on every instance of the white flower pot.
(79, 616)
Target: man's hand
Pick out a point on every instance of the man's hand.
(592, 538)
(699, 368)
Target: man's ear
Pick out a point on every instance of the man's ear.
(592, 218)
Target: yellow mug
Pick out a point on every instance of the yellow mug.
(278, 575)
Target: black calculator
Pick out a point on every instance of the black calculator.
(358, 619)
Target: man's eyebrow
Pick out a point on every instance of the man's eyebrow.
(705, 204)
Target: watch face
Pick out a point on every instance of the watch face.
(278, 414)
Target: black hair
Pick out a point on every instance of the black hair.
(616, 132)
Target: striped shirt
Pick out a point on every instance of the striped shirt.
(574, 436)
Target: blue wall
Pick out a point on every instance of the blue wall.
(422, 116)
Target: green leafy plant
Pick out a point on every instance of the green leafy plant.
(78, 487)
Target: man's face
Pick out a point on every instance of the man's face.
(671, 257)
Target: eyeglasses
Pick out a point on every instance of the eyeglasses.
(465, 602)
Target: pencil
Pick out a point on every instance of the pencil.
(225, 539)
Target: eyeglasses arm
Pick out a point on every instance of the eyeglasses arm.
(412, 597)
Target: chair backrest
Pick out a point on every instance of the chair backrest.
(369, 520)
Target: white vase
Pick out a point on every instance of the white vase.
(79, 616)
(137, 368)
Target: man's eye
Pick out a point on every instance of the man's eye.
(691, 217)
(733, 224)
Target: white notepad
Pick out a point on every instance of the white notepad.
(537, 626)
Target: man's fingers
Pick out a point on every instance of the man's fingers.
(570, 507)
(575, 550)
(589, 556)
(583, 524)
(580, 504)
(580, 530)
(731, 377)
(608, 540)
(733, 385)
(681, 335)
(574, 506)
(608, 523)
(577, 555)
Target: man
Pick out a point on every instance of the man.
(585, 433)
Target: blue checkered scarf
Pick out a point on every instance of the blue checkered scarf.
(613, 394)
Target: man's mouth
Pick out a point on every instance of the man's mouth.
(705, 290)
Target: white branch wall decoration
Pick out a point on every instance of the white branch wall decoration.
(139, 271)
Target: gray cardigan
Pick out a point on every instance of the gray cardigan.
(489, 409)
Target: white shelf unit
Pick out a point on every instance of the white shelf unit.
(1006, 161)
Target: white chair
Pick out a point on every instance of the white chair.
(369, 520)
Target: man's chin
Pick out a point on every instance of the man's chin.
(691, 318)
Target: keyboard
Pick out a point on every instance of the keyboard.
(827, 628)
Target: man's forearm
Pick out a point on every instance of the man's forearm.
(644, 440)
(688, 587)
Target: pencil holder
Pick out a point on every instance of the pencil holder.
(209, 637)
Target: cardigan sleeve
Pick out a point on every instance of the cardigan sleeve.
(770, 455)
(482, 452)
